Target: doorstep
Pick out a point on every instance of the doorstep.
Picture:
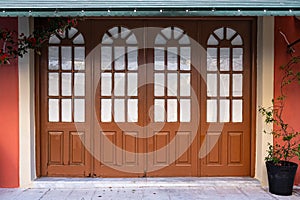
(87, 183)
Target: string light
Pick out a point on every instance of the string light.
(134, 10)
(265, 10)
(239, 10)
(290, 10)
(213, 10)
(161, 10)
(108, 10)
(186, 10)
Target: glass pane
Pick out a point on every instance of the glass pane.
(211, 115)
(53, 110)
(159, 58)
(132, 58)
(106, 105)
(106, 84)
(237, 59)
(167, 32)
(211, 85)
(54, 39)
(71, 32)
(124, 32)
(106, 39)
(66, 84)
(172, 84)
(53, 58)
(185, 84)
(78, 40)
(159, 110)
(132, 82)
(177, 32)
(229, 33)
(119, 82)
(119, 58)
(212, 59)
(79, 58)
(106, 58)
(66, 60)
(131, 39)
(220, 33)
(172, 58)
(66, 110)
(237, 85)
(224, 85)
(132, 110)
(224, 59)
(79, 110)
(185, 110)
(224, 110)
(119, 110)
(185, 58)
(159, 84)
(184, 40)
(160, 39)
(79, 84)
(53, 84)
(172, 110)
(237, 40)
(237, 110)
(114, 32)
(212, 40)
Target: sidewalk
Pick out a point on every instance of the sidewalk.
(143, 189)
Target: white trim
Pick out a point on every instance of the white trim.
(26, 111)
(265, 90)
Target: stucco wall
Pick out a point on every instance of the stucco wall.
(290, 26)
(9, 117)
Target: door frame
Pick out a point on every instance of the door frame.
(253, 97)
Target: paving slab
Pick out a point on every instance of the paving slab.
(144, 189)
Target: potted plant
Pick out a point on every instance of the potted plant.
(281, 171)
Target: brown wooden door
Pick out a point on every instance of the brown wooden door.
(65, 100)
(174, 100)
(226, 101)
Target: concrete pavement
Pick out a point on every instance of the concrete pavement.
(143, 189)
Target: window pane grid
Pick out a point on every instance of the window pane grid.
(119, 77)
(66, 79)
(225, 81)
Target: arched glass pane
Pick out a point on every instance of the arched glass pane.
(220, 33)
(54, 39)
(78, 40)
(237, 40)
(212, 40)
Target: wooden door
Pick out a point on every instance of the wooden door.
(65, 100)
(226, 100)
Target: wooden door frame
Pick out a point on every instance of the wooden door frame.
(253, 93)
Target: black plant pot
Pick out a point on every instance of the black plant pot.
(281, 177)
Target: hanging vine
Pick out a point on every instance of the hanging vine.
(14, 45)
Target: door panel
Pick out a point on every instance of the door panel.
(226, 130)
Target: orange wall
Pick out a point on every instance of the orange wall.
(9, 117)
(290, 26)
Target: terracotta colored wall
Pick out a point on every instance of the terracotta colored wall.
(9, 117)
(290, 26)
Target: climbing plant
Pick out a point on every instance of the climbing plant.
(14, 44)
